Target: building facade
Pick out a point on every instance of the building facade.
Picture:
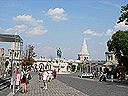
(111, 60)
(60, 65)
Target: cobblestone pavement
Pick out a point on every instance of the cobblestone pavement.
(55, 88)
(94, 87)
(5, 86)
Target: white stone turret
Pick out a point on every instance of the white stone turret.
(84, 54)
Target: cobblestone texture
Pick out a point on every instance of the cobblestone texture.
(55, 88)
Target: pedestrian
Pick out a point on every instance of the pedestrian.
(23, 81)
(36, 68)
(17, 78)
(103, 76)
(45, 77)
(28, 78)
(54, 73)
(40, 74)
(50, 75)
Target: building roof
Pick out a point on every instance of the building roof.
(111, 63)
(10, 38)
(84, 49)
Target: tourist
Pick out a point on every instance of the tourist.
(54, 73)
(17, 78)
(45, 77)
(103, 76)
(40, 74)
(23, 81)
(28, 77)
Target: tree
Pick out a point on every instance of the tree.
(119, 42)
(119, 45)
(28, 60)
(124, 14)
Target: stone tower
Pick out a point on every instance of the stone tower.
(84, 54)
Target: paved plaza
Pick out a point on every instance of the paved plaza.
(55, 88)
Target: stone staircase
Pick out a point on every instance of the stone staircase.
(4, 83)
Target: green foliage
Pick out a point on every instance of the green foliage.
(28, 60)
(78, 67)
(109, 44)
(119, 45)
(119, 41)
(124, 14)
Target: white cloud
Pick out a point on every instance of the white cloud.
(91, 33)
(30, 26)
(57, 14)
(110, 32)
(38, 30)
(28, 19)
(24, 18)
(15, 29)
(121, 26)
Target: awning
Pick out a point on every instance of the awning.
(10, 38)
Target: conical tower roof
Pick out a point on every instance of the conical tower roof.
(84, 50)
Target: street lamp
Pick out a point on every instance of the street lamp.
(12, 72)
(2, 63)
(11, 53)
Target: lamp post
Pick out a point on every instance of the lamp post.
(13, 77)
(3, 66)
(12, 52)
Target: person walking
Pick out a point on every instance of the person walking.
(40, 74)
(103, 76)
(23, 81)
(54, 74)
(28, 78)
(45, 77)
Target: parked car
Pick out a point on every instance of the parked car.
(85, 75)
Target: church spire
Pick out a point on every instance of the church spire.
(84, 49)
(84, 54)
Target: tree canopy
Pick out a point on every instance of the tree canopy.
(119, 45)
(28, 60)
(119, 41)
(124, 14)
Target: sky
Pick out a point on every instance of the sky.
(52, 24)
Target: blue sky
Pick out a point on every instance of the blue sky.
(50, 24)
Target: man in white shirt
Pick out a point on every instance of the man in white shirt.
(45, 77)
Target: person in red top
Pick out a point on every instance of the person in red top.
(23, 81)
(54, 73)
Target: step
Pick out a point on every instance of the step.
(4, 83)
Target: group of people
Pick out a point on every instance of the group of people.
(46, 76)
(25, 77)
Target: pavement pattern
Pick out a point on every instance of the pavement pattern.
(55, 88)
(5, 86)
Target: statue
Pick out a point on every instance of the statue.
(59, 53)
